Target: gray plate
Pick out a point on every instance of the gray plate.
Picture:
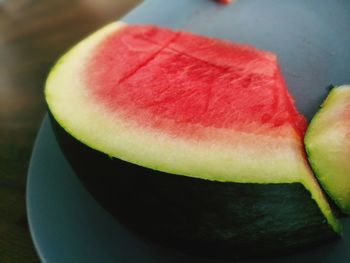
(312, 40)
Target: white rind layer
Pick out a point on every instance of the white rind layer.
(264, 160)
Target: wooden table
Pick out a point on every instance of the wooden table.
(33, 33)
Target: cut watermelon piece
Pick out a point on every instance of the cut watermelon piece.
(212, 119)
(327, 143)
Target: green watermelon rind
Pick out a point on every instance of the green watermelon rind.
(314, 151)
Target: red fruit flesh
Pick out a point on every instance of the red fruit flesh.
(154, 75)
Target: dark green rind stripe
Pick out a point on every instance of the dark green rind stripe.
(220, 219)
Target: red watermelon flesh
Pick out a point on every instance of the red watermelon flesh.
(189, 105)
(178, 81)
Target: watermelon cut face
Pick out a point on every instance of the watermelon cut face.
(187, 89)
(193, 81)
(198, 108)
(327, 145)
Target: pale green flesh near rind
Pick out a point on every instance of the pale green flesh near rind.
(80, 116)
(327, 142)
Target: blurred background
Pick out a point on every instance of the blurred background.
(33, 34)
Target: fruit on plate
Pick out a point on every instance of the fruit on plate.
(203, 132)
(327, 143)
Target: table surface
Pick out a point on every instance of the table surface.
(33, 34)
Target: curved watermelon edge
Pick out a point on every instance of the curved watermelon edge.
(316, 196)
(154, 212)
(308, 148)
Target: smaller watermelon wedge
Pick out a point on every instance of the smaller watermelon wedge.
(327, 143)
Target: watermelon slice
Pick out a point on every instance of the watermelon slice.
(327, 144)
(214, 127)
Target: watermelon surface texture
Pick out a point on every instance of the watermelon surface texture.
(201, 120)
(327, 143)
